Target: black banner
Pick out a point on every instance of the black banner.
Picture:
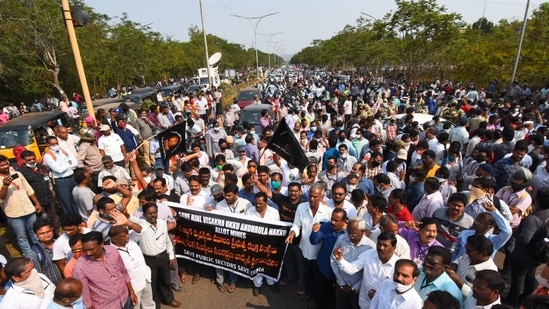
(284, 143)
(172, 141)
(237, 243)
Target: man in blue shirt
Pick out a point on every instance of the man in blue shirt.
(326, 235)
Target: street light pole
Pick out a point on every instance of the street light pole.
(269, 42)
(205, 45)
(77, 58)
(515, 66)
(258, 19)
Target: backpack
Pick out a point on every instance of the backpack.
(40, 253)
(540, 242)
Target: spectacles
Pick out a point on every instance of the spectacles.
(338, 193)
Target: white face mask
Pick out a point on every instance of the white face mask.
(402, 288)
(54, 148)
(542, 281)
(31, 165)
(344, 155)
(350, 188)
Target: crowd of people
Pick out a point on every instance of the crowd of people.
(388, 213)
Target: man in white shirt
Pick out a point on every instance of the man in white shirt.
(306, 215)
(353, 243)
(478, 251)
(30, 290)
(67, 142)
(140, 273)
(486, 291)
(262, 211)
(232, 204)
(377, 266)
(399, 293)
(196, 198)
(110, 144)
(109, 169)
(61, 165)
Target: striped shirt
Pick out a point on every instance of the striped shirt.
(103, 281)
(155, 239)
(41, 258)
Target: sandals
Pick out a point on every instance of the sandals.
(231, 287)
(196, 278)
(221, 287)
(184, 278)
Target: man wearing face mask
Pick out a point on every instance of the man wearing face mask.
(516, 195)
(331, 175)
(61, 165)
(479, 198)
(30, 290)
(110, 169)
(543, 281)
(469, 171)
(38, 178)
(399, 292)
(345, 161)
(214, 137)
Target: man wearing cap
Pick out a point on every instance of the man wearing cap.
(110, 169)
(110, 144)
(88, 154)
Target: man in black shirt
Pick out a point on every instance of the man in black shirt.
(37, 175)
(287, 206)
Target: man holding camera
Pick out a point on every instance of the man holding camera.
(19, 204)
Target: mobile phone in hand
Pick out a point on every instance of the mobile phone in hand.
(15, 176)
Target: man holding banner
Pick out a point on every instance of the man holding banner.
(306, 215)
(263, 212)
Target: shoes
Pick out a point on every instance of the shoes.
(301, 290)
(196, 278)
(177, 287)
(275, 288)
(256, 291)
(174, 304)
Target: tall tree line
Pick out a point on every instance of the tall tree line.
(36, 57)
(422, 40)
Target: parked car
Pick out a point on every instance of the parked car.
(246, 96)
(252, 114)
(420, 118)
(168, 90)
(197, 88)
(140, 94)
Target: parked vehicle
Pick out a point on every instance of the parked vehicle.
(30, 131)
(246, 96)
(252, 114)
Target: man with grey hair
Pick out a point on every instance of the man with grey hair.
(353, 243)
(306, 215)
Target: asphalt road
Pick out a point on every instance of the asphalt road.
(204, 294)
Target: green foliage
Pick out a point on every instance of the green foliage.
(37, 57)
(426, 41)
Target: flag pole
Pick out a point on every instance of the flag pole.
(144, 141)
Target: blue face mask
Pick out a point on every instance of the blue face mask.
(275, 184)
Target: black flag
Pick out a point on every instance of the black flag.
(172, 141)
(284, 143)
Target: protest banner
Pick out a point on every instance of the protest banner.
(235, 242)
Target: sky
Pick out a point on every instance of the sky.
(298, 21)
